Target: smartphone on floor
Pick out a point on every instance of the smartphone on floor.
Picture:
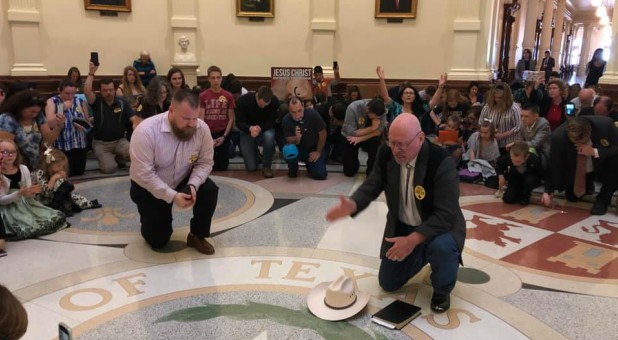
(64, 332)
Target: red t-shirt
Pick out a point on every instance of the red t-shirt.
(216, 106)
(554, 116)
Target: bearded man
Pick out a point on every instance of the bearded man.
(171, 159)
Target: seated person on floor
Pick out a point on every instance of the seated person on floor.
(535, 132)
(450, 137)
(483, 144)
(155, 101)
(470, 123)
(305, 129)
(602, 106)
(453, 104)
(362, 127)
(520, 172)
(145, 68)
(411, 101)
(529, 94)
(483, 153)
(584, 149)
(23, 216)
(322, 84)
(256, 113)
(336, 115)
(113, 119)
(57, 192)
(584, 99)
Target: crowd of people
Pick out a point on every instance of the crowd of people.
(515, 137)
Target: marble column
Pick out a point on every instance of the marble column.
(323, 29)
(474, 30)
(548, 14)
(518, 26)
(184, 32)
(532, 15)
(584, 55)
(611, 70)
(24, 18)
(556, 48)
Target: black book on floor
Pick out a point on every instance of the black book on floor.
(396, 315)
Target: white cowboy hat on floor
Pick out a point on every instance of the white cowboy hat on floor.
(336, 300)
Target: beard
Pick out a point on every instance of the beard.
(183, 134)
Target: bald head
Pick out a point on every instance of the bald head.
(405, 125)
(585, 97)
(405, 138)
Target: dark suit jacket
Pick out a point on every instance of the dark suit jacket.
(550, 64)
(388, 6)
(435, 171)
(563, 155)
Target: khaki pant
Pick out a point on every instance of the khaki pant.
(110, 154)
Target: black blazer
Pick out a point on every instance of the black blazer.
(563, 155)
(550, 64)
(435, 171)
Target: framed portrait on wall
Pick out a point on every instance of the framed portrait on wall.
(396, 8)
(255, 8)
(108, 5)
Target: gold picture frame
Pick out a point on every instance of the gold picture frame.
(108, 5)
(405, 9)
(255, 8)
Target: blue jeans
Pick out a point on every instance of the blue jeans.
(249, 149)
(441, 253)
(317, 169)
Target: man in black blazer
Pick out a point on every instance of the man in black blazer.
(548, 65)
(424, 223)
(395, 6)
(595, 137)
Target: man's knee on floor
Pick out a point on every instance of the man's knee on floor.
(108, 169)
(158, 241)
(388, 284)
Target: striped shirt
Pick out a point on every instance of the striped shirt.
(504, 121)
(70, 138)
(160, 161)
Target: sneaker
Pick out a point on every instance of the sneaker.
(440, 303)
(3, 253)
(267, 172)
(599, 208)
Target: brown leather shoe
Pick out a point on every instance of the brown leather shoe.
(267, 172)
(200, 244)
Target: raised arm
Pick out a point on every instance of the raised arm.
(438, 95)
(383, 90)
(88, 91)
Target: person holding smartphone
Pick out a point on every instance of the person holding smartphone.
(305, 128)
(71, 136)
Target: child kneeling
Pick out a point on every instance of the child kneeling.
(520, 171)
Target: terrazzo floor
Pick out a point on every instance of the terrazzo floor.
(529, 272)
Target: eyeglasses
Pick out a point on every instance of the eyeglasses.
(403, 145)
(8, 153)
